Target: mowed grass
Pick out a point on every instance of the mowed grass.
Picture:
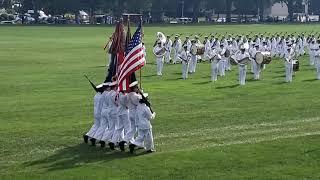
(264, 130)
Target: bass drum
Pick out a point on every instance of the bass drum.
(233, 61)
(263, 57)
(200, 49)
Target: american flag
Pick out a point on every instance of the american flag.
(134, 60)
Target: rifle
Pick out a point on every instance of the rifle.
(93, 86)
(146, 100)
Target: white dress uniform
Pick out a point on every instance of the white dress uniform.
(189, 44)
(145, 53)
(194, 60)
(314, 47)
(107, 136)
(168, 47)
(177, 49)
(289, 65)
(252, 55)
(104, 122)
(242, 68)
(207, 48)
(274, 47)
(317, 63)
(159, 60)
(256, 67)
(185, 57)
(97, 115)
(132, 105)
(222, 62)
(122, 124)
(214, 65)
(145, 137)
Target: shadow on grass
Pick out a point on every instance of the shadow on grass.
(98, 67)
(202, 83)
(310, 80)
(79, 155)
(226, 87)
(152, 75)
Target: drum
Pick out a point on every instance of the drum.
(296, 65)
(245, 61)
(227, 53)
(200, 49)
(233, 61)
(263, 57)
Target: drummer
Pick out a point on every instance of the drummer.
(193, 63)
(256, 67)
(242, 65)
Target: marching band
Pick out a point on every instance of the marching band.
(238, 50)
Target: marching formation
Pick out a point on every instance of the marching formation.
(223, 52)
(121, 118)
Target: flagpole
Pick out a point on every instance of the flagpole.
(140, 72)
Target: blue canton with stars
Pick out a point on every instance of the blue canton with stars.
(135, 40)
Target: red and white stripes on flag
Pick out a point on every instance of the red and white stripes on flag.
(133, 61)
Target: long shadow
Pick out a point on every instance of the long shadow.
(153, 75)
(226, 87)
(281, 83)
(201, 83)
(98, 67)
(310, 80)
(79, 155)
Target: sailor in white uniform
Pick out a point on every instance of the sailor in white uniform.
(145, 137)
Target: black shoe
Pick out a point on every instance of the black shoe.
(121, 145)
(151, 151)
(93, 142)
(85, 139)
(103, 144)
(131, 147)
(111, 145)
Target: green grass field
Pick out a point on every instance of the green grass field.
(264, 130)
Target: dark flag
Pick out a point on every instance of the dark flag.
(117, 51)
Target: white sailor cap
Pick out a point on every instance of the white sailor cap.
(99, 86)
(242, 47)
(133, 84)
(113, 83)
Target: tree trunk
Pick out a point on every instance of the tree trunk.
(229, 6)
(290, 10)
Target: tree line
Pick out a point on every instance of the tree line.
(170, 8)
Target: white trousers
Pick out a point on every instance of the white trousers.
(318, 71)
(228, 64)
(167, 56)
(103, 124)
(129, 136)
(175, 56)
(242, 74)
(289, 71)
(185, 67)
(222, 67)
(159, 66)
(256, 70)
(108, 133)
(144, 138)
(312, 58)
(122, 127)
(94, 127)
(214, 71)
(193, 64)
